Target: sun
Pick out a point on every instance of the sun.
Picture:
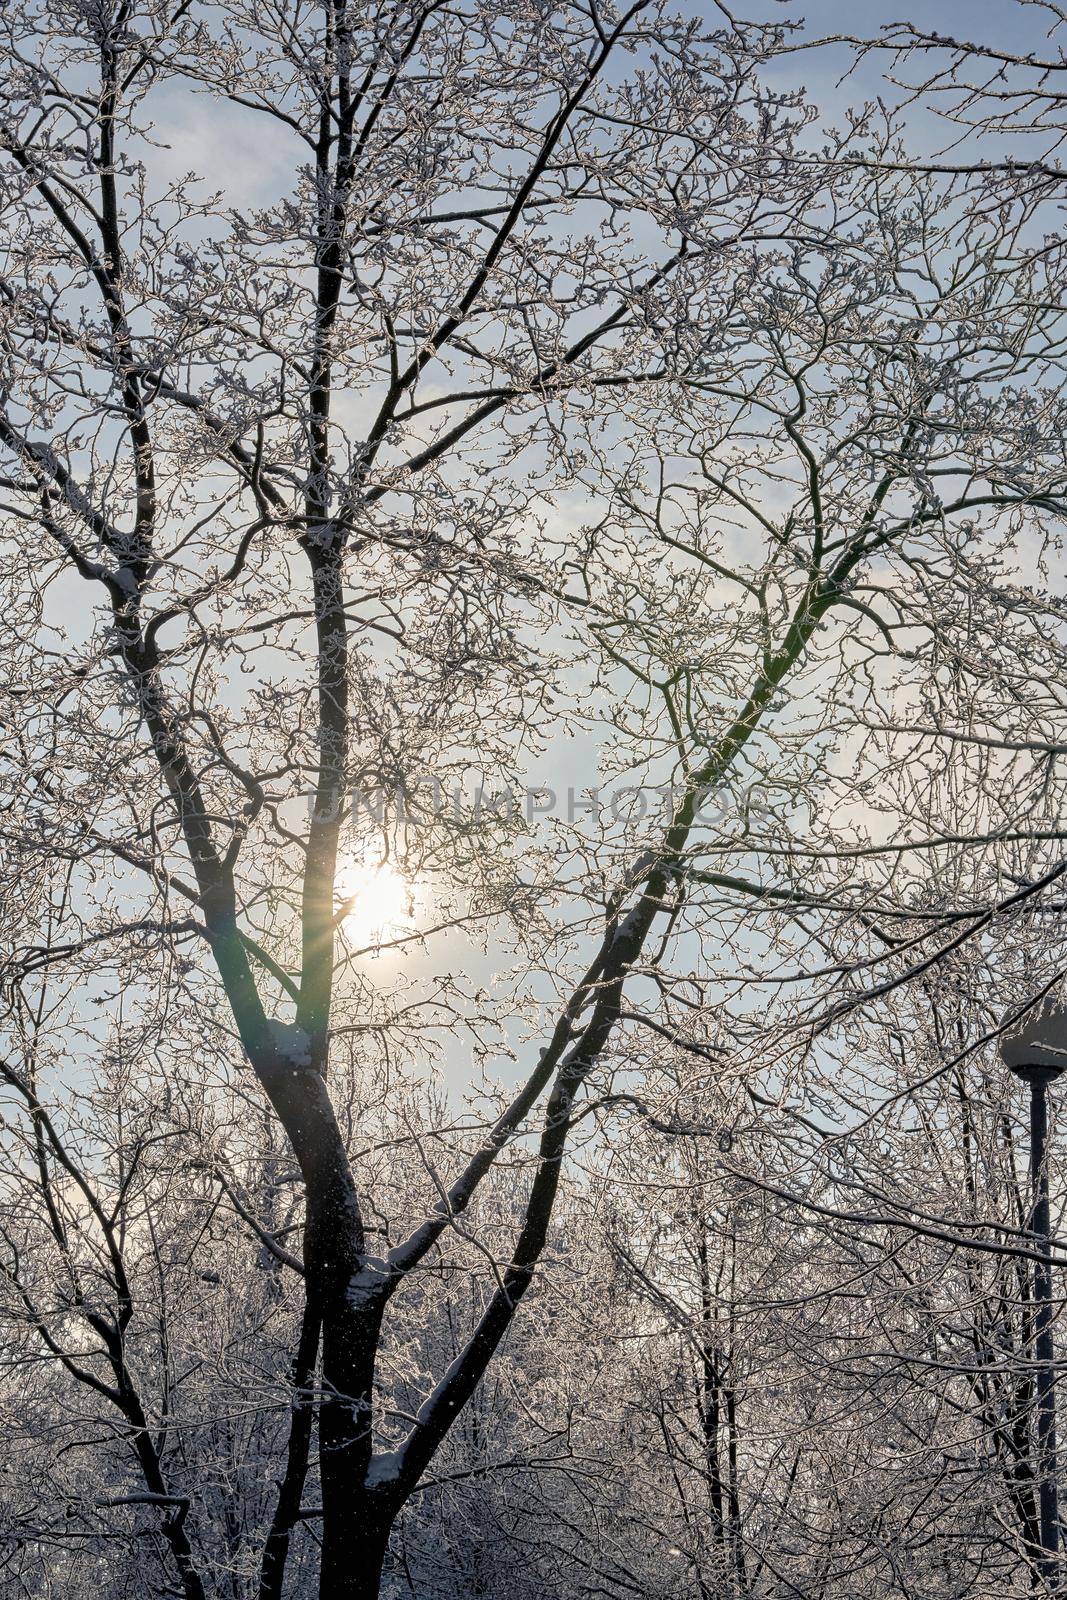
(375, 901)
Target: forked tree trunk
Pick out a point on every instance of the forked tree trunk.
(347, 1303)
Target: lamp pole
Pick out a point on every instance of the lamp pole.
(1034, 1047)
(1038, 1074)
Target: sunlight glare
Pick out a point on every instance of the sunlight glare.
(375, 901)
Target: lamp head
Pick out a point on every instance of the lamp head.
(1035, 1048)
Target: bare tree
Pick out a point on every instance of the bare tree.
(197, 432)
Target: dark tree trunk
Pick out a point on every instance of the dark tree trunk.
(353, 1557)
(346, 1296)
(355, 1526)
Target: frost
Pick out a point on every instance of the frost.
(384, 1468)
(293, 1044)
(367, 1284)
(629, 924)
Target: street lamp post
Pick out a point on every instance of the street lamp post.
(1037, 1053)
